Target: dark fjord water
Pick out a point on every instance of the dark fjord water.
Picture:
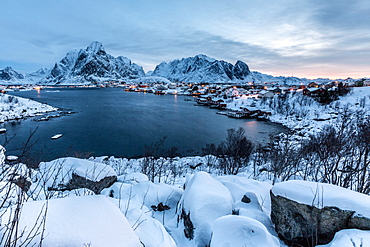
(113, 122)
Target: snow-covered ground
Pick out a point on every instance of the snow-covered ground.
(13, 107)
(196, 208)
(300, 112)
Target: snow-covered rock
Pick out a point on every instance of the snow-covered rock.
(133, 177)
(233, 230)
(150, 231)
(322, 195)
(204, 200)
(75, 221)
(201, 69)
(65, 173)
(309, 213)
(350, 237)
(92, 65)
(239, 186)
(161, 199)
(251, 198)
(148, 207)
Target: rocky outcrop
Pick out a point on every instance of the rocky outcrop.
(78, 182)
(301, 224)
(72, 173)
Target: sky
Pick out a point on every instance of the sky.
(303, 38)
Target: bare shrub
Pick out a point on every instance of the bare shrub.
(235, 152)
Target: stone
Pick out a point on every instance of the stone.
(305, 225)
(78, 182)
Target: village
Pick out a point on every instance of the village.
(221, 95)
(218, 96)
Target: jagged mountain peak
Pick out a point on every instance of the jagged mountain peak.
(43, 71)
(92, 65)
(205, 57)
(202, 68)
(9, 74)
(95, 47)
(8, 69)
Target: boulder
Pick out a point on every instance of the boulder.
(78, 182)
(350, 237)
(204, 200)
(308, 213)
(234, 230)
(162, 199)
(72, 173)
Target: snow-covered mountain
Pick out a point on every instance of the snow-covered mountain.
(258, 77)
(9, 75)
(91, 65)
(202, 69)
(39, 73)
(37, 76)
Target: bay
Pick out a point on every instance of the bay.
(109, 121)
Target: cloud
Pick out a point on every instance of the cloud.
(278, 37)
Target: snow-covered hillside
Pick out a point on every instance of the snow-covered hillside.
(92, 65)
(300, 112)
(13, 107)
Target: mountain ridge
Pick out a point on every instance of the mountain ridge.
(201, 68)
(94, 65)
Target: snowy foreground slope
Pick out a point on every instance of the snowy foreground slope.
(77, 221)
(196, 209)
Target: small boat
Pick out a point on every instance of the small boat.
(11, 158)
(56, 136)
(3, 130)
